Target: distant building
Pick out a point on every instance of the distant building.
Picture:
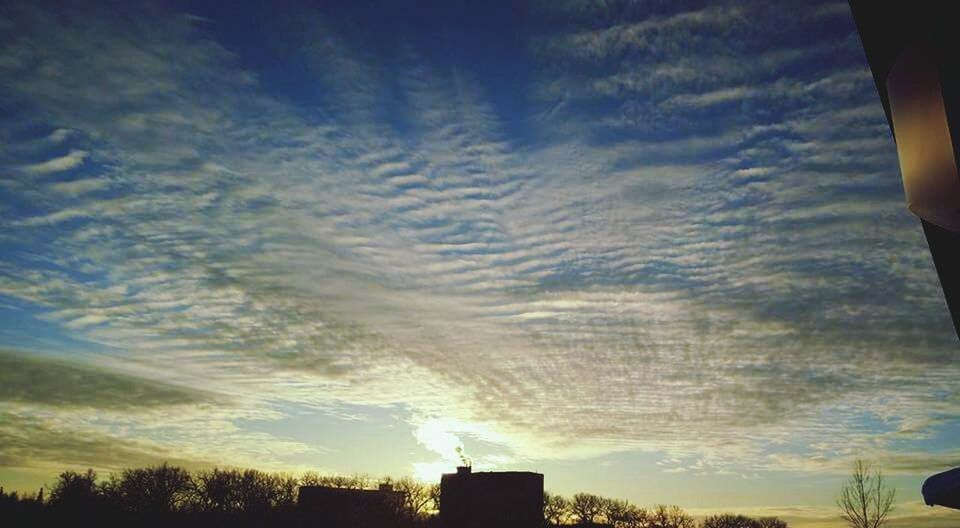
(349, 508)
(512, 499)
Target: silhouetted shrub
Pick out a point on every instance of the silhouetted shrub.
(21, 510)
(75, 491)
(729, 520)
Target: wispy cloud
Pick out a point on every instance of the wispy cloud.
(68, 161)
(37, 443)
(29, 379)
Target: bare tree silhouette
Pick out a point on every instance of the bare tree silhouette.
(417, 496)
(586, 507)
(622, 514)
(159, 489)
(866, 500)
(216, 491)
(664, 516)
(556, 509)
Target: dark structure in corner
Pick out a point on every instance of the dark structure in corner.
(511, 499)
(943, 489)
(911, 48)
(912, 51)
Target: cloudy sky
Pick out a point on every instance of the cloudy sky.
(654, 250)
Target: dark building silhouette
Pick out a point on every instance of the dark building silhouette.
(349, 508)
(512, 499)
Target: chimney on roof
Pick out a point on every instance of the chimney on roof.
(463, 470)
(386, 487)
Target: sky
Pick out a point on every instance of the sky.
(654, 250)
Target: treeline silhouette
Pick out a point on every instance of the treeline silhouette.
(166, 496)
(587, 509)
